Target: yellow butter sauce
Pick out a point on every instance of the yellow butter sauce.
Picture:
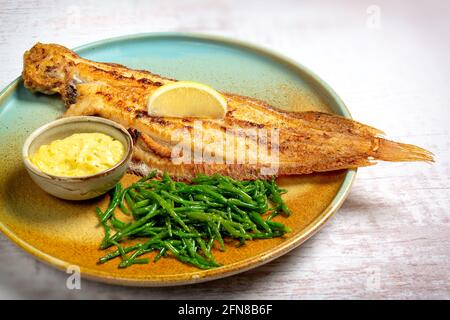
(80, 154)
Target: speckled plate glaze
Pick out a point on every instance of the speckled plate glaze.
(64, 233)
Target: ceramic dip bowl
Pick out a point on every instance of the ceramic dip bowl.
(77, 188)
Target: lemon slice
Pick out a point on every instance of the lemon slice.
(187, 99)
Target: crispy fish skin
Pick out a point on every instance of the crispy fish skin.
(308, 141)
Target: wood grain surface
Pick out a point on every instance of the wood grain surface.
(389, 63)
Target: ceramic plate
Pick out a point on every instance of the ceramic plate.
(64, 233)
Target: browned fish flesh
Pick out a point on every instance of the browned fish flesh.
(274, 142)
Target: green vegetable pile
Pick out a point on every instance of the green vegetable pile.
(184, 220)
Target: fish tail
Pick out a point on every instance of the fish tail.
(395, 151)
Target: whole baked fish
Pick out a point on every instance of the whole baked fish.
(253, 140)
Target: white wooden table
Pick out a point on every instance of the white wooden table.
(389, 63)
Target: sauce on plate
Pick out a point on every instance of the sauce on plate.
(80, 154)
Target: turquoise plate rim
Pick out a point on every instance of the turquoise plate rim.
(236, 267)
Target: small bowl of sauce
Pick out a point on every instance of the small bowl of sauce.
(78, 158)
